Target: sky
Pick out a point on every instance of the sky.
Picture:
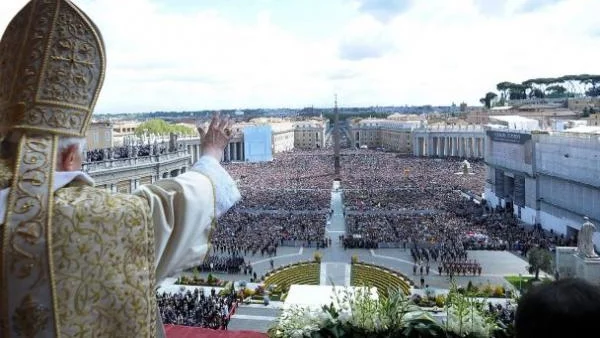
(172, 55)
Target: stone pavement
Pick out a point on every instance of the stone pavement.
(335, 274)
(255, 317)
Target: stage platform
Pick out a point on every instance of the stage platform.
(313, 297)
(174, 331)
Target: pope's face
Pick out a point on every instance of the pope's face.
(70, 159)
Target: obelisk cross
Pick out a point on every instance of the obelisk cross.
(336, 139)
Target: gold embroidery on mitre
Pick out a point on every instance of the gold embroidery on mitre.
(52, 66)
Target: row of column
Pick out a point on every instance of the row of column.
(135, 183)
(234, 152)
(195, 151)
(450, 146)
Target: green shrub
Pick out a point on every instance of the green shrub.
(487, 290)
(499, 291)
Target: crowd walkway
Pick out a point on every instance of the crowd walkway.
(337, 274)
(336, 227)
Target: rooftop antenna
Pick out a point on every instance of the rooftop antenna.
(336, 139)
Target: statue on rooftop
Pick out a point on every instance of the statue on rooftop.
(585, 245)
(466, 167)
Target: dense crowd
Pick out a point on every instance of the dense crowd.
(131, 151)
(464, 223)
(279, 199)
(195, 309)
(244, 233)
(391, 201)
(294, 170)
(233, 263)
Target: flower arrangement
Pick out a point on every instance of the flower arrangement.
(356, 313)
(197, 280)
(317, 256)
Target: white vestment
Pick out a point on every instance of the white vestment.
(183, 211)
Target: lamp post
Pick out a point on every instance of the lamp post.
(520, 280)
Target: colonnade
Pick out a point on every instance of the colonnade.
(234, 151)
(448, 145)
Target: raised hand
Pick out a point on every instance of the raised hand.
(216, 137)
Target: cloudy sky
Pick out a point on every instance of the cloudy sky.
(221, 54)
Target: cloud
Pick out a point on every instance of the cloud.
(438, 52)
(491, 7)
(355, 50)
(342, 74)
(510, 7)
(534, 5)
(365, 38)
(384, 10)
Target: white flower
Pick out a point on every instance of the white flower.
(298, 333)
(344, 316)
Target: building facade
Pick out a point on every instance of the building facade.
(546, 178)
(310, 134)
(99, 135)
(465, 141)
(283, 137)
(390, 134)
(123, 130)
(141, 165)
(594, 120)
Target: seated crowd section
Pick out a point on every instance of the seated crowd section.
(195, 309)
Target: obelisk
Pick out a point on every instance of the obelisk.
(336, 139)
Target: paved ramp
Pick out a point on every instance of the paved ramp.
(335, 274)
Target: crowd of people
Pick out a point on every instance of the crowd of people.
(390, 200)
(421, 205)
(280, 199)
(243, 233)
(463, 221)
(299, 169)
(131, 151)
(226, 264)
(195, 309)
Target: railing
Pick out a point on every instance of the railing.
(132, 161)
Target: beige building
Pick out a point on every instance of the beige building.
(594, 120)
(283, 136)
(580, 103)
(100, 135)
(310, 134)
(544, 114)
(393, 135)
(123, 129)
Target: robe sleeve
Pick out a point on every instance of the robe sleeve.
(184, 210)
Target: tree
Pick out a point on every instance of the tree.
(539, 259)
(593, 92)
(556, 91)
(487, 99)
(161, 127)
(537, 93)
(504, 87)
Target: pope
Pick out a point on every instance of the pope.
(75, 260)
